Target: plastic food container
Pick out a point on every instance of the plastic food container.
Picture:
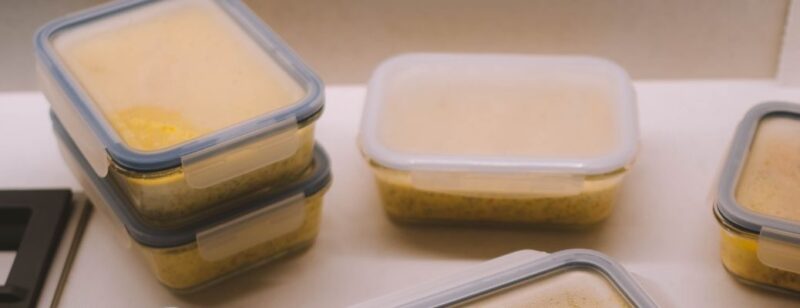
(242, 233)
(184, 104)
(526, 278)
(499, 138)
(756, 200)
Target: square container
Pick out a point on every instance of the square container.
(526, 278)
(503, 139)
(184, 104)
(756, 199)
(240, 234)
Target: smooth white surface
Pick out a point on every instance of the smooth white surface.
(662, 230)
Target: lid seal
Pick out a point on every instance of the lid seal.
(316, 180)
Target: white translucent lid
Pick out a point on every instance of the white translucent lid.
(493, 113)
(569, 278)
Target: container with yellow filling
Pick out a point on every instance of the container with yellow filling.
(242, 233)
(570, 278)
(499, 139)
(185, 103)
(757, 196)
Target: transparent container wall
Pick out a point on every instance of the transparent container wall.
(166, 197)
(769, 179)
(739, 252)
(165, 73)
(569, 288)
(220, 251)
(591, 202)
(193, 266)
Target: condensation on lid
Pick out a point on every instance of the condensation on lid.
(172, 71)
(770, 176)
(526, 113)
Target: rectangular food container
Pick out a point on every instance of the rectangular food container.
(499, 139)
(756, 199)
(242, 233)
(184, 104)
(526, 278)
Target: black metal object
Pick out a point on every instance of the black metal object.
(31, 223)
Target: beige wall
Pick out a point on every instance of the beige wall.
(19, 20)
(345, 39)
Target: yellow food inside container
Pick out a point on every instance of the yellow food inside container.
(570, 289)
(183, 268)
(150, 128)
(499, 139)
(739, 255)
(405, 202)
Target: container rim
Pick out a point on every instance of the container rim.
(726, 205)
(316, 180)
(511, 269)
(625, 109)
(303, 111)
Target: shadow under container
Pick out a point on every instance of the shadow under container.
(756, 199)
(526, 278)
(240, 234)
(184, 104)
(499, 139)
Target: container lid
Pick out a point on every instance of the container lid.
(160, 84)
(500, 114)
(212, 226)
(758, 185)
(576, 277)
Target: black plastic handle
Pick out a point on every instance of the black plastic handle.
(31, 222)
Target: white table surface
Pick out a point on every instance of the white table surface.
(662, 230)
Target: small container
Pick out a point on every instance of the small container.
(185, 103)
(240, 234)
(526, 278)
(756, 199)
(499, 139)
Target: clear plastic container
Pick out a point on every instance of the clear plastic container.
(756, 199)
(185, 103)
(242, 233)
(569, 278)
(499, 139)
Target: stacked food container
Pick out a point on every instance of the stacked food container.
(192, 123)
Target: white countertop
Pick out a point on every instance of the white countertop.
(662, 230)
